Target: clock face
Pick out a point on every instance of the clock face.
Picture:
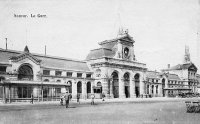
(126, 52)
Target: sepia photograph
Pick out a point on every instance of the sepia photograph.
(99, 62)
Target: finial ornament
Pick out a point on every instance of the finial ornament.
(122, 31)
(26, 49)
(187, 55)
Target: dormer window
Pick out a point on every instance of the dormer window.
(88, 75)
(79, 74)
(69, 74)
(58, 73)
(46, 72)
(2, 69)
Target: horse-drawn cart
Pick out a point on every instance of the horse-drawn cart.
(193, 106)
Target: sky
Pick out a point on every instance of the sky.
(71, 28)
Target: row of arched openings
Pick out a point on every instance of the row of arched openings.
(126, 76)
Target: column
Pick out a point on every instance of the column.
(38, 93)
(42, 93)
(166, 93)
(105, 86)
(3, 99)
(9, 94)
(92, 85)
(132, 88)
(121, 88)
(74, 89)
(111, 88)
(150, 92)
(84, 96)
(159, 90)
(141, 87)
(155, 90)
(34, 91)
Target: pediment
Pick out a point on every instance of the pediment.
(23, 56)
(127, 38)
(193, 67)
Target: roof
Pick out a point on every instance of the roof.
(182, 66)
(173, 77)
(125, 37)
(152, 74)
(46, 61)
(99, 53)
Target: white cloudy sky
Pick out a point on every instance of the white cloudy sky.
(161, 28)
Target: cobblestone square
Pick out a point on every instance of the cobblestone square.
(142, 112)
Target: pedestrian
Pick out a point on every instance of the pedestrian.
(78, 98)
(61, 99)
(66, 99)
(92, 99)
(70, 96)
(103, 96)
(32, 98)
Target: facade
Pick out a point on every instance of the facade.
(186, 77)
(153, 84)
(111, 70)
(198, 86)
(116, 69)
(45, 77)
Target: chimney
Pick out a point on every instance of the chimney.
(45, 50)
(6, 44)
(168, 65)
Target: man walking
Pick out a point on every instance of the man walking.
(32, 98)
(92, 99)
(78, 98)
(66, 99)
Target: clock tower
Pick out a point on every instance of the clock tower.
(125, 46)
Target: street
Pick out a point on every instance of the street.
(159, 112)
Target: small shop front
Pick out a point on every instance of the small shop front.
(175, 92)
(19, 91)
(97, 92)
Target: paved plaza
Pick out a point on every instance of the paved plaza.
(138, 111)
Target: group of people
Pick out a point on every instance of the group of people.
(67, 97)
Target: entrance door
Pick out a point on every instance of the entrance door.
(127, 91)
(137, 85)
(137, 91)
(116, 92)
(115, 85)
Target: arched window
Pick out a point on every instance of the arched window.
(46, 80)
(79, 87)
(70, 86)
(25, 72)
(147, 89)
(58, 81)
(115, 83)
(88, 87)
(98, 89)
(126, 77)
(2, 78)
(137, 84)
(156, 89)
(152, 88)
(99, 84)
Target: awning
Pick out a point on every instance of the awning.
(40, 83)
